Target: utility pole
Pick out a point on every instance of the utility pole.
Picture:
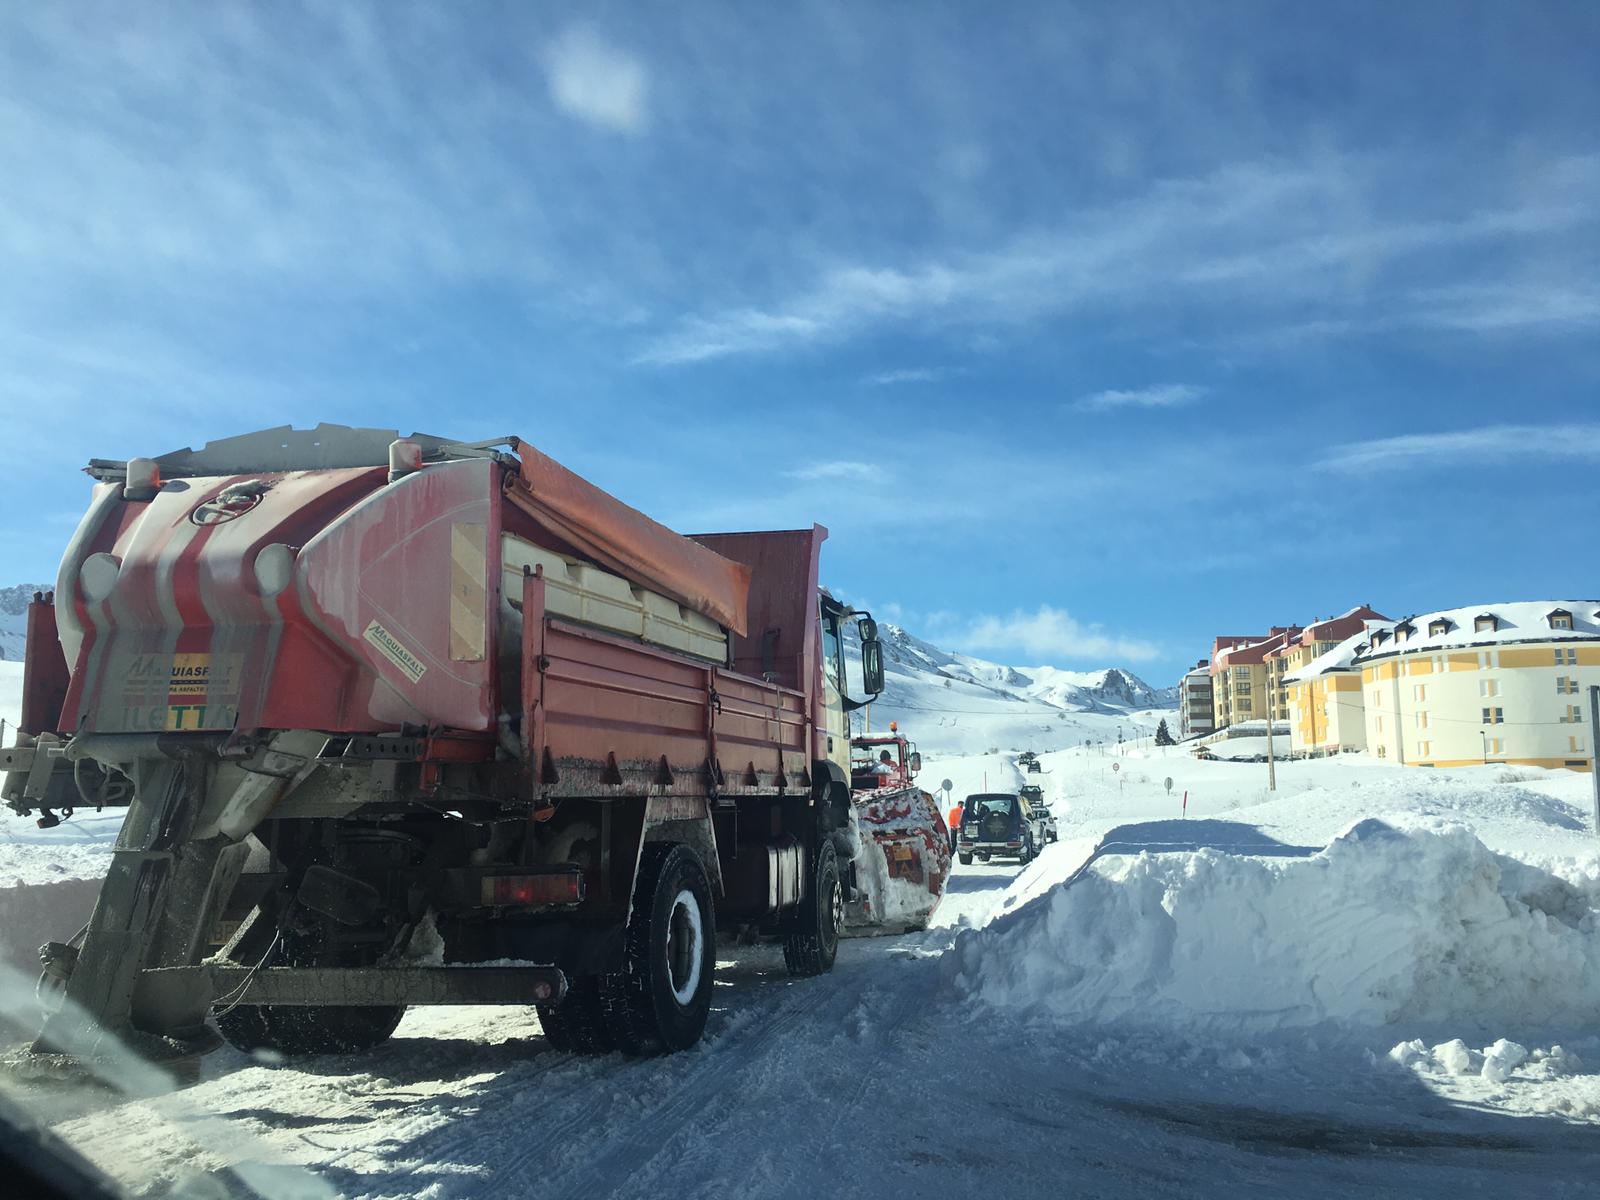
(1594, 750)
(1272, 762)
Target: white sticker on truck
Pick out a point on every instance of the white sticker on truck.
(412, 667)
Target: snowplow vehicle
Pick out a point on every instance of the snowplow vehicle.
(403, 721)
(903, 846)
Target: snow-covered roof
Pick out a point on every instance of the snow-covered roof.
(1340, 658)
(1519, 621)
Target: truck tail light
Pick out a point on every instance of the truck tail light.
(548, 887)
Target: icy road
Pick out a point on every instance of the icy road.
(1060, 1049)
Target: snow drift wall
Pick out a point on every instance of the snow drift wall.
(1380, 926)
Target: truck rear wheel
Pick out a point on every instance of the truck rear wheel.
(660, 1001)
(813, 943)
(578, 1024)
(295, 1029)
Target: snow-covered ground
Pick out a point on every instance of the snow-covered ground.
(1374, 982)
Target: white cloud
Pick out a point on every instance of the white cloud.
(1490, 442)
(1272, 246)
(1163, 395)
(1052, 633)
(906, 375)
(596, 82)
(838, 469)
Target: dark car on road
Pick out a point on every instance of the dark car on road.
(1033, 795)
(999, 825)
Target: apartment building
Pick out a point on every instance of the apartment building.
(1501, 683)
(1241, 687)
(1294, 656)
(1195, 714)
(1327, 714)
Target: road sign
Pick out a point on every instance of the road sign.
(1116, 766)
(1169, 783)
(948, 786)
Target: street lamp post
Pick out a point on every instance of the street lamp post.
(1484, 734)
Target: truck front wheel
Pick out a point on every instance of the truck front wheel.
(813, 942)
(660, 1001)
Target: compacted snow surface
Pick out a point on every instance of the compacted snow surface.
(1369, 982)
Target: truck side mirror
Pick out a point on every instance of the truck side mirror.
(916, 761)
(872, 666)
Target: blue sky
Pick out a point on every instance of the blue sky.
(1090, 331)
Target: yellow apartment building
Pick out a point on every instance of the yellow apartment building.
(1498, 683)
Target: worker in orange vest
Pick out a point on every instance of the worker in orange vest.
(955, 824)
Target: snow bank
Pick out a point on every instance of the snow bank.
(1380, 926)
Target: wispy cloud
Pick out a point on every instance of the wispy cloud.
(1270, 245)
(906, 375)
(594, 81)
(1049, 633)
(1492, 442)
(838, 469)
(1163, 395)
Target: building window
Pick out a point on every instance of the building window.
(1494, 716)
(1575, 744)
(1425, 749)
(1573, 715)
(1422, 720)
(1560, 619)
(1419, 692)
(1380, 724)
(1488, 687)
(1566, 656)
(1566, 685)
(1485, 623)
(1435, 628)
(1495, 746)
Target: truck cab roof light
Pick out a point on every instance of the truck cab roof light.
(143, 481)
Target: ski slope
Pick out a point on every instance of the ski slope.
(956, 704)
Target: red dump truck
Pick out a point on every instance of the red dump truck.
(408, 721)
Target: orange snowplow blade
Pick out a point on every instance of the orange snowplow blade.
(624, 540)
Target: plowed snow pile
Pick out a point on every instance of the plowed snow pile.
(1380, 926)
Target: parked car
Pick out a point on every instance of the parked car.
(1033, 794)
(999, 825)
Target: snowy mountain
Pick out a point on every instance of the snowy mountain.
(955, 704)
(14, 618)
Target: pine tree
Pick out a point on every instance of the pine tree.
(1164, 735)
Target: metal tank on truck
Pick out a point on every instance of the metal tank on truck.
(409, 721)
(903, 858)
